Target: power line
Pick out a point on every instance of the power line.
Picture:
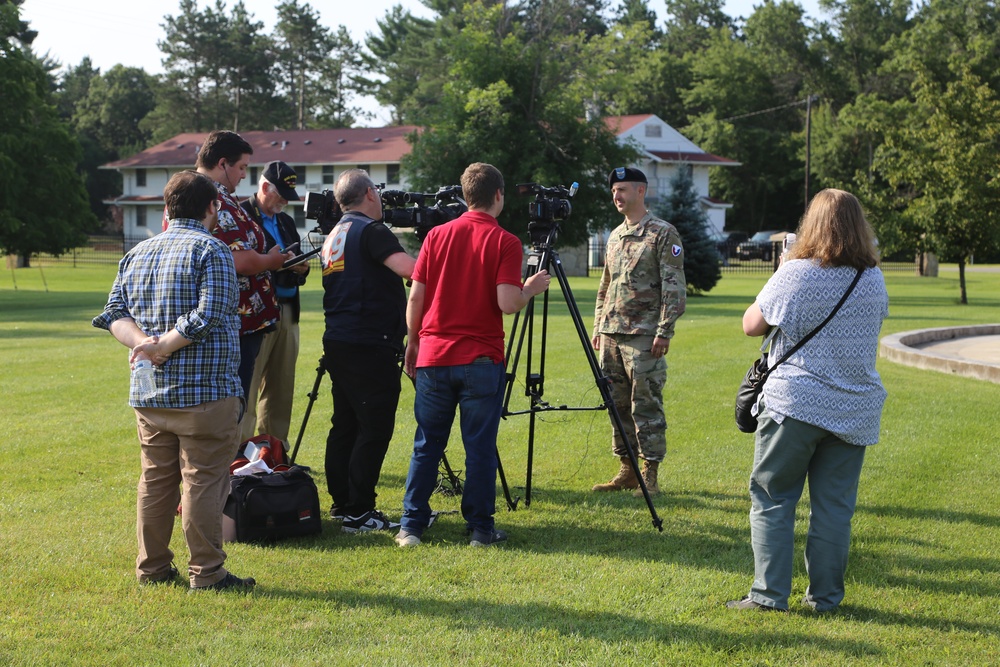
(772, 109)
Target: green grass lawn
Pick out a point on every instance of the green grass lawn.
(584, 579)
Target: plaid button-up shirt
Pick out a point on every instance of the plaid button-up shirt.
(182, 279)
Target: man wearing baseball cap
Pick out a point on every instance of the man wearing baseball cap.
(269, 403)
(641, 295)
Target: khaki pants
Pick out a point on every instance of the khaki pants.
(186, 454)
(269, 405)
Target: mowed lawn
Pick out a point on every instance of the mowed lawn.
(584, 579)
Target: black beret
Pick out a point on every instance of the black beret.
(626, 174)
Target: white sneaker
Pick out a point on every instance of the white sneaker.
(405, 539)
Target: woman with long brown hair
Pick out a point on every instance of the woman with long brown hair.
(822, 407)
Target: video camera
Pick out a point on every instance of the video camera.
(551, 205)
(410, 209)
(324, 209)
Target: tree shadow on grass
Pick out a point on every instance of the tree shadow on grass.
(473, 615)
(562, 521)
(912, 620)
(931, 514)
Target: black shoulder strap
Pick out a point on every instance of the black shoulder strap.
(808, 336)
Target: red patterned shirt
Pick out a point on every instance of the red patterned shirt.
(258, 307)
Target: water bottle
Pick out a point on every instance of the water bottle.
(145, 382)
(787, 243)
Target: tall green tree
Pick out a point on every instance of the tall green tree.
(43, 204)
(395, 57)
(219, 72)
(945, 163)
(637, 12)
(692, 24)
(74, 83)
(250, 74)
(682, 209)
(342, 79)
(113, 108)
(937, 167)
(740, 111)
(855, 41)
(303, 48)
(108, 123)
(506, 99)
(191, 44)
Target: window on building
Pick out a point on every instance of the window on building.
(140, 216)
(366, 167)
(327, 174)
(654, 130)
(140, 178)
(300, 174)
(688, 169)
(254, 175)
(392, 173)
(299, 213)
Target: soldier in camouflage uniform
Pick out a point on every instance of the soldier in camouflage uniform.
(642, 294)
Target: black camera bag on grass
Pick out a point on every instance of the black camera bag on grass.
(271, 507)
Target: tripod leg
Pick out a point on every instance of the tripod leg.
(511, 502)
(603, 383)
(320, 370)
(456, 483)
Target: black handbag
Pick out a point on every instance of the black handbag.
(269, 507)
(753, 381)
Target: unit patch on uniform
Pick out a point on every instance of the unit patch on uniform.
(676, 250)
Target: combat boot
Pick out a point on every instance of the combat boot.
(649, 472)
(625, 479)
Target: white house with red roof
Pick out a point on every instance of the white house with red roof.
(319, 156)
(665, 151)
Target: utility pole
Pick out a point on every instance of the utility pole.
(809, 102)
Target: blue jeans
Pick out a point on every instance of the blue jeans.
(477, 390)
(785, 456)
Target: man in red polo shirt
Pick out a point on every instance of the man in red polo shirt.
(467, 276)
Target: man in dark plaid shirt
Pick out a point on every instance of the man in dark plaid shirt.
(174, 302)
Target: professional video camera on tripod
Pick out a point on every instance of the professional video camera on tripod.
(549, 208)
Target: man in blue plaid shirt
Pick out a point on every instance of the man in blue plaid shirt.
(174, 302)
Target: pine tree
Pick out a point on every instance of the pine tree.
(682, 209)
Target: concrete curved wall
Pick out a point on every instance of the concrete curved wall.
(903, 348)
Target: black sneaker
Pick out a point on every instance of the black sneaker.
(483, 538)
(169, 578)
(372, 520)
(229, 582)
(336, 514)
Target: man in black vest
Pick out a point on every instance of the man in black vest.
(365, 304)
(269, 403)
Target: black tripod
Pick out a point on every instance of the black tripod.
(448, 477)
(543, 256)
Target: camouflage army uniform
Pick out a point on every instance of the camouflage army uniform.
(642, 294)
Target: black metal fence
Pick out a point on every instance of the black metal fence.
(741, 260)
(110, 249)
(99, 250)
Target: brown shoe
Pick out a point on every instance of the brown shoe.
(625, 479)
(649, 474)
